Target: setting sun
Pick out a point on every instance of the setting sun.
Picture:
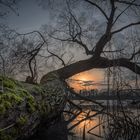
(86, 80)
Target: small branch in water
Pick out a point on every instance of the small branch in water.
(88, 117)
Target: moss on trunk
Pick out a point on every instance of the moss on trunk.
(22, 107)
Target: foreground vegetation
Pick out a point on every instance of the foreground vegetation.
(22, 108)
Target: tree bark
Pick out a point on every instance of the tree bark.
(96, 62)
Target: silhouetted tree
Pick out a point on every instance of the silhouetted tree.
(104, 52)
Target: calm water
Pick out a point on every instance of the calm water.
(93, 128)
(82, 130)
(98, 127)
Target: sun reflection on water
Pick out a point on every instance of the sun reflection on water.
(86, 124)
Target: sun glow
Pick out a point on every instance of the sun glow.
(86, 80)
(82, 78)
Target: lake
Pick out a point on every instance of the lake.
(117, 121)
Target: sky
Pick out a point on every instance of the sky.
(32, 17)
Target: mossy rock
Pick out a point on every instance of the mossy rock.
(14, 94)
(24, 105)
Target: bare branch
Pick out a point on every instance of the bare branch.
(84, 119)
(106, 37)
(73, 39)
(63, 63)
(134, 54)
(88, 52)
(33, 54)
(113, 51)
(124, 11)
(97, 6)
(125, 27)
(10, 6)
(127, 2)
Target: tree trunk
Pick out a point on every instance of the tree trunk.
(96, 62)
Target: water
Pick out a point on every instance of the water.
(89, 125)
(122, 125)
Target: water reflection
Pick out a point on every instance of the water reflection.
(120, 124)
(87, 128)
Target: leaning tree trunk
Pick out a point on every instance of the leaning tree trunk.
(24, 106)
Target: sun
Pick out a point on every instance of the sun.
(82, 78)
(78, 81)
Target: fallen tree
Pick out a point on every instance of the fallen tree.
(24, 106)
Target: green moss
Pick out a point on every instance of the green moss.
(4, 136)
(37, 88)
(8, 83)
(27, 98)
(30, 108)
(22, 120)
(7, 101)
(44, 108)
(11, 97)
(2, 109)
(22, 97)
(22, 93)
(15, 94)
(31, 104)
(7, 104)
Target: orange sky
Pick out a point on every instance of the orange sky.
(95, 79)
(93, 75)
